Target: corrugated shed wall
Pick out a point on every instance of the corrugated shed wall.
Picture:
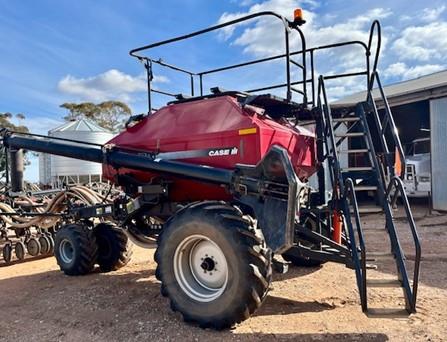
(438, 135)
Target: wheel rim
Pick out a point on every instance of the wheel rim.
(66, 251)
(200, 268)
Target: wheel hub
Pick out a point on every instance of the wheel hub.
(200, 268)
(208, 264)
(66, 251)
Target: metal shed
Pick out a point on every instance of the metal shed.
(419, 107)
(56, 170)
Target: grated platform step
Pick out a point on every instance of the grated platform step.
(387, 313)
(380, 256)
(383, 283)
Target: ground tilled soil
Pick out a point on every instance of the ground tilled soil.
(39, 303)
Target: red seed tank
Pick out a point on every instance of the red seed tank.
(217, 132)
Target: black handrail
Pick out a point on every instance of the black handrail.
(288, 26)
(336, 177)
(209, 29)
(397, 184)
(374, 27)
(360, 268)
(389, 123)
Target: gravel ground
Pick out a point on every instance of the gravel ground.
(39, 303)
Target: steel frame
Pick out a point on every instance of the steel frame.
(304, 52)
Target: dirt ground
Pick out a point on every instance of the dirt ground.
(39, 303)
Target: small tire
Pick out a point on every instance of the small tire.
(7, 252)
(44, 245)
(231, 245)
(20, 250)
(51, 240)
(33, 247)
(75, 249)
(114, 248)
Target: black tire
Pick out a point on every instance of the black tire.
(20, 250)
(75, 249)
(51, 240)
(7, 252)
(44, 245)
(114, 248)
(247, 263)
(33, 247)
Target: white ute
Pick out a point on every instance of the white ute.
(417, 173)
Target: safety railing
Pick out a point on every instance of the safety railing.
(307, 56)
(329, 140)
(396, 184)
(359, 264)
(393, 150)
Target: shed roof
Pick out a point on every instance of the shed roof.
(421, 88)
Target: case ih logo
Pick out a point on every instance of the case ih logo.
(223, 152)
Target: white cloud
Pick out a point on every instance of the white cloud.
(432, 14)
(405, 72)
(423, 43)
(112, 84)
(264, 37)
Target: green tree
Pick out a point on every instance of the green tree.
(5, 122)
(109, 114)
(80, 110)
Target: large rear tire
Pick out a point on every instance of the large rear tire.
(213, 265)
(75, 249)
(114, 248)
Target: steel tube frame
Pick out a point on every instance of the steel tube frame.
(118, 158)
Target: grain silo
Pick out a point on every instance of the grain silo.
(57, 171)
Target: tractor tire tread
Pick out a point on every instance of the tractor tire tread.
(85, 239)
(255, 252)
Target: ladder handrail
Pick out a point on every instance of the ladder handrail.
(336, 177)
(391, 124)
(397, 184)
(360, 268)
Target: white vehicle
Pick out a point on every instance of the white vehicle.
(417, 173)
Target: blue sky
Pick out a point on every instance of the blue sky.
(59, 51)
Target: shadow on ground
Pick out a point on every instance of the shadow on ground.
(122, 306)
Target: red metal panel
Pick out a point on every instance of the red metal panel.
(212, 127)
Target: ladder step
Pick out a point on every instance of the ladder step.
(360, 150)
(349, 135)
(357, 168)
(346, 119)
(373, 229)
(380, 256)
(368, 210)
(365, 188)
(387, 313)
(383, 283)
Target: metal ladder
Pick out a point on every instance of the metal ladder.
(375, 138)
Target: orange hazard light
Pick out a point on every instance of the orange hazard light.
(298, 17)
(298, 14)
